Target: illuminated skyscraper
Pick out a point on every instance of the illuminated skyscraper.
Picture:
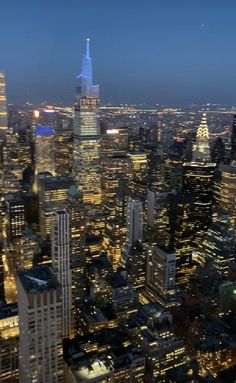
(87, 135)
(3, 104)
(115, 178)
(217, 246)
(201, 150)
(61, 264)
(52, 197)
(40, 324)
(181, 232)
(74, 206)
(44, 150)
(228, 192)
(161, 269)
(15, 219)
(198, 181)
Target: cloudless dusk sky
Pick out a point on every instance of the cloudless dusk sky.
(144, 51)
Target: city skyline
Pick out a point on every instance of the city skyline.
(117, 222)
(156, 54)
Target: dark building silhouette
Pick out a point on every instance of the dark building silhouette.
(218, 151)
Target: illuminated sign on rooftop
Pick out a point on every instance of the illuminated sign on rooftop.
(44, 130)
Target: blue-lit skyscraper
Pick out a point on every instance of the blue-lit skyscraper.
(87, 135)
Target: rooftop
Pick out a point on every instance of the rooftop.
(38, 279)
(8, 310)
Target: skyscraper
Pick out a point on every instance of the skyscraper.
(201, 150)
(40, 320)
(198, 181)
(134, 221)
(52, 197)
(227, 192)
(3, 104)
(15, 216)
(161, 269)
(77, 242)
(233, 140)
(61, 264)
(44, 151)
(217, 246)
(87, 135)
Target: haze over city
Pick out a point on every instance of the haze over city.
(167, 52)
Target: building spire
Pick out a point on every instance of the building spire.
(202, 132)
(201, 150)
(85, 87)
(87, 54)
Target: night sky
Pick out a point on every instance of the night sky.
(153, 51)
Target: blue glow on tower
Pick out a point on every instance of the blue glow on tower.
(85, 87)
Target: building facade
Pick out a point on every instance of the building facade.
(40, 324)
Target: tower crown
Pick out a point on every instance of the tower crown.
(85, 87)
(202, 132)
(201, 150)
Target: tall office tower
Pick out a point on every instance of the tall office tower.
(158, 216)
(64, 149)
(138, 180)
(174, 174)
(16, 154)
(160, 279)
(114, 141)
(201, 150)
(40, 324)
(61, 265)
(115, 170)
(52, 197)
(198, 181)
(217, 246)
(135, 143)
(228, 192)
(155, 167)
(233, 140)
(87, 136)
(218, 153)
(134, 221)
(27, 248)
(3, 105)
(15, 216)
(181, 233)
(13, 164)
(114, 204)
(9, 339)
(74, 206)
(10, 152)
(44, 151)
(136, 265)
